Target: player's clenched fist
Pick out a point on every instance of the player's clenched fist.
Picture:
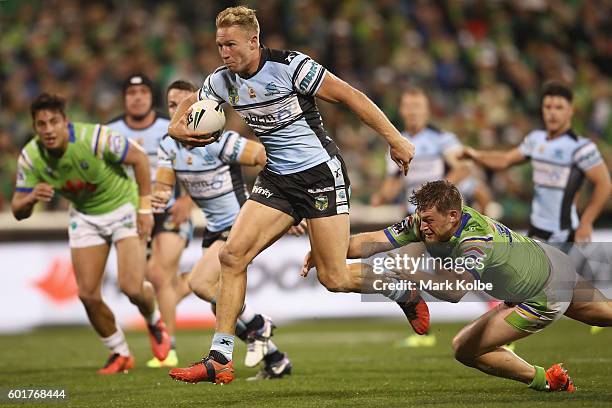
(42, 192)
(402, 152)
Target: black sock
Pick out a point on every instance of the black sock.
(274, 357)
(218, 357)
(241, 332)
(255, 324)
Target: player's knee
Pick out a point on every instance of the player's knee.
(333, 280)
(158, 277)
(201, 287)
(232, 258)
(462, 352)
(131, 290)
(90, 299)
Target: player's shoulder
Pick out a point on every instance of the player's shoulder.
(119, 119)
(168, 142)
(439, 132)
(284, 57)
(30, 152)
(219, 73)
(161, 117)
(474, 227)
(536, 134)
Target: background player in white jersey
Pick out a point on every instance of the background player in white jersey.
(84, 163)
(274, 91)
(212, 176)
(561, 160)
(436, 156)
(173, 228)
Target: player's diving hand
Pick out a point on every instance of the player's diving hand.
(583, 233)
(298, 230)
(179, 131)
(181, 210)
(402, 152)
(309, 263)
(42, 192)
(145, 225)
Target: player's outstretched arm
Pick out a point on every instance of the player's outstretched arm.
(360, 246)
(495, 160)
(602, 186)
(335, 90)
(23, 203)
(367, 244)
(137, 158)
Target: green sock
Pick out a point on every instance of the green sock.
(539, 381)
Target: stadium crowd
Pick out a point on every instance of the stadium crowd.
(481, 62)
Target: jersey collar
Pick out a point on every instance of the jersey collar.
(264, 56)
(464, 219)
(71, 136)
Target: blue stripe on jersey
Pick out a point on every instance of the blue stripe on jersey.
(391, 238)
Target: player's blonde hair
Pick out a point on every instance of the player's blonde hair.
(239, 16)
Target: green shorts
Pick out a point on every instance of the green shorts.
(537, 312)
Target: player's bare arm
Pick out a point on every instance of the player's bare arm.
(254, 154)
(178, 125)
(335, 90)
(137, 158)
(23, 203)
(391, 187)
(600, 177)
(164, 185)
(458, 169)
(495, 160)
(361, 245)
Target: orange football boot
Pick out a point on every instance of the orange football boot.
(160, 340)
(117, 363)
(417, 313)
(205, 370)
(558, 379)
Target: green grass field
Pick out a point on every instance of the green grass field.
(336, 363)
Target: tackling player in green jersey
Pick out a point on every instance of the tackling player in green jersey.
(537, 282)
(84, 164)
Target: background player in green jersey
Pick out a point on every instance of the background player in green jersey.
(83, 163)
(537, 281)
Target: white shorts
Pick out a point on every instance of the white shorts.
(91, 230)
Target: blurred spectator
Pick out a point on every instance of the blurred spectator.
(481, 61)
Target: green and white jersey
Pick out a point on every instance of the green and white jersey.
(89, 174)
(515, 265)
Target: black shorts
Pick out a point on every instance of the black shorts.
(321, 191)
(210, 237)
(535, 232)
(163, 224)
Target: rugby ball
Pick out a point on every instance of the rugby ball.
(206, 117)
